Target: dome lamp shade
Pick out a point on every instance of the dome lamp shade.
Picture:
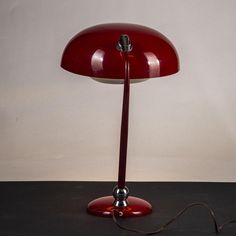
(93, 53)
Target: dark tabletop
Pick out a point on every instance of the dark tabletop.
(59, 208)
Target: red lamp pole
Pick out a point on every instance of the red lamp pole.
(124, 125)
(121, 192)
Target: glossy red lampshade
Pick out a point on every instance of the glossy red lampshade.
(93, 53)
(120, 53)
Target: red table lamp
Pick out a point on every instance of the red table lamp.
(120, 53)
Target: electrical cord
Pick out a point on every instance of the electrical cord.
(218, 228)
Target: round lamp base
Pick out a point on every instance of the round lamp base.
(104, 207)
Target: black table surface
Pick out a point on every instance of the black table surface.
(59, 208)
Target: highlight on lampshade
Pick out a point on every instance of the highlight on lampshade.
(93, 53)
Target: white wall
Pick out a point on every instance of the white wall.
(58, 126)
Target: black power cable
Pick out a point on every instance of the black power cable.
(218, 228)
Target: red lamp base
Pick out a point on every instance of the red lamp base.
(104, 207)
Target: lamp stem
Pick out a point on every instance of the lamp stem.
(124, 125)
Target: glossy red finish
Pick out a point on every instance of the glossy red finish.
(104, 206)
(124, 125)
(92, 52)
